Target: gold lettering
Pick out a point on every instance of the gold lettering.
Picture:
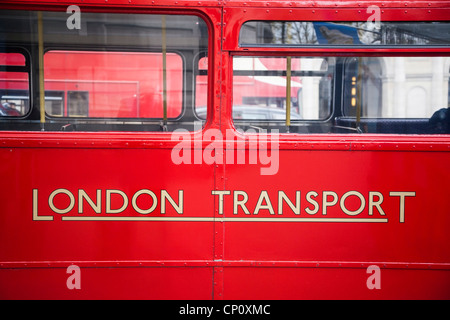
(402, 196)
(221, 193)
(282, 196)
(360, 209)
(151, 194)
(69, 207)
(326, 203)
(178, 207)
(377, 204)
(309, 198)
(241, 203)
(263, 197)
(108, 201)
(83, 195)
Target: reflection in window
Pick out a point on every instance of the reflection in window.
(395, 87)
(14, 103)
(77, 104)
(201, 83)
(259, 88)
(115, 84)
(363, 87)
(343, 94)
(344, 33)
(12, 59)
(119, 72)
(14, 85)
(54, 103)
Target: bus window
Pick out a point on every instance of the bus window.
(260, 88)
(321, 33)
(346, 93)
(54, 103)
(119, 72)
(395, 87)
(201, 88)
(405, 95)
(77, 104)
(378, 90)
(14, 85)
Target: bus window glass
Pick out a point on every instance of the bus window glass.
(54, 103)
(359, 94)
(12, 59)
(320, 33)
(260, 88)
(118, 71)
(14, 85)
(395, 87)
(201, 88)
(115, 84)
(78, 104)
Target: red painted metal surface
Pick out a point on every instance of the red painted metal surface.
(208, 254)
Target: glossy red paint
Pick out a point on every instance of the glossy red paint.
(218, 258)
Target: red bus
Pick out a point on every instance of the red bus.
(224, 150)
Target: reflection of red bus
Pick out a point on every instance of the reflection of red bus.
(128, 84)
(112, 187)
(116, 84)
(112, 84)
(99, 84)
(258, 90)
(264, 90)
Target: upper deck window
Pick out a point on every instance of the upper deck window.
(307, 33)
(364, 91)
(364, 94)
(116, 72)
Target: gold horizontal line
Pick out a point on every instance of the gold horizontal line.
(305, 219)
(209, 219)
(138, 219)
